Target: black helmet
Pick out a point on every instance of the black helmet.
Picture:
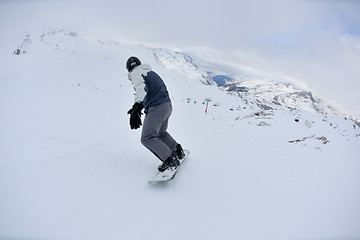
(132, 62)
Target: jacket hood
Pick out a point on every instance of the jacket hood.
(144, 67)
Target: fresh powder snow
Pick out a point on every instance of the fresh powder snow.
(261, 167)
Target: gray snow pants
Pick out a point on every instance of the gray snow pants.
(154, 134)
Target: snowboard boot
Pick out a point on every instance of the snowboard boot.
(171, 161)
(179, 152)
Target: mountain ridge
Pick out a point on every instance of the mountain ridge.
(257, 92)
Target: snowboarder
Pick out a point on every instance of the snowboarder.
(151, 94)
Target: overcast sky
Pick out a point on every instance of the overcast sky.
(314, 43)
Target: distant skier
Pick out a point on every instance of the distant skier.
(151, 94)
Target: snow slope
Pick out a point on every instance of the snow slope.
(71, 168)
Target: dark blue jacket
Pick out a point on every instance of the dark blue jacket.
(156, 91)
(149, 88)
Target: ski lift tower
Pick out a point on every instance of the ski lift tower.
(207, 100)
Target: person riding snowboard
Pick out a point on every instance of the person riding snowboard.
(151, 94)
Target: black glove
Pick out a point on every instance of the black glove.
(135, 115)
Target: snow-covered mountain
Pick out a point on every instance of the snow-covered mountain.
(255, 91)
(268, 160)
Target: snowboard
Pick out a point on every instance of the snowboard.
(169, 173)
